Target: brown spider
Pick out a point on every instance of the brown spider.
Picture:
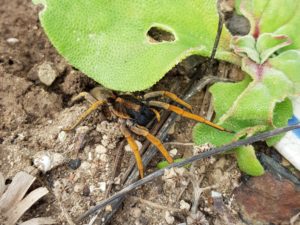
(140, 111)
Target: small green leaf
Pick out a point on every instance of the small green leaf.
(282, 113)
(248, 162)
(267, 44)
(245, 46)
(164, 164)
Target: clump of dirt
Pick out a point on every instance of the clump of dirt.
(33, 115)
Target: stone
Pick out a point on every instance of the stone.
(169, 218)
(136, 212)
(184, 205)
(46, 73)
(268, 199)
(128, 149)
(12, 40)
(102, 186)
(100, 149)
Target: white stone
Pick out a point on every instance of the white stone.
(136, 212)
(12, 40)
(78, 187)
(173, 152)
(85, 165)
(184, 205)
(128, 149)
(169, 218)
(47, 160)
(103, 158)
(100, 149)
(62, 136)
(46, 73)
(102, 186)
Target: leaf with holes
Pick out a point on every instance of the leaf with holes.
(271, 60)
(118, 43)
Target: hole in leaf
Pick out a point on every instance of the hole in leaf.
(158, 34)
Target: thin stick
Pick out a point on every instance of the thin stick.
(214, 151)
(218, 36)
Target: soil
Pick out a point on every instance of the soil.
(33, 115)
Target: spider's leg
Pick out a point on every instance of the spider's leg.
(134, 148)
(144, 132)
(186, 114)
(168, 94)
(84, 95)
(157, 115)
(91, 109)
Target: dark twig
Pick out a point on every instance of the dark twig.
(218, 36)
(120, 152)
(214, 151)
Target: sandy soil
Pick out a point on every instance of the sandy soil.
(33, 115)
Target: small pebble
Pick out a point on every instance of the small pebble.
(47, 160)
(78, 188)
(102, 186)
(128, 149)
(46, 73)
(62, 136)
(86, 191)
(85, 166)
(105, 142)
(169, 218)
(12, 40)
(103, 158)
(184, 205)
(136, 212)
(92, 188)
(90, 156)
(100, 149)
(117, 180)
(173, 152)
(108, 208)
(74, 164)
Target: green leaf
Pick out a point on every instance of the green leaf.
(248, 162)
(271, 61)
(164, 164)
(275, 16)
(108, 40)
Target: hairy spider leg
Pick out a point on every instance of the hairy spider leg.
(139, 130)
(186, 114)
(134, 148)
(157, 115)
(168, 94)
(85, 95)
(91, 109)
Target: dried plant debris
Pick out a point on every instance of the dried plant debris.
(14, 203)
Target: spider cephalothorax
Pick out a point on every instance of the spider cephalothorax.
(140, 111)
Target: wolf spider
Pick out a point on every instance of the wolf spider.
(139, 110)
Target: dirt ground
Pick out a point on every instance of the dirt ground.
(33, 114)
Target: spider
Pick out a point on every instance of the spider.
(140, 111)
